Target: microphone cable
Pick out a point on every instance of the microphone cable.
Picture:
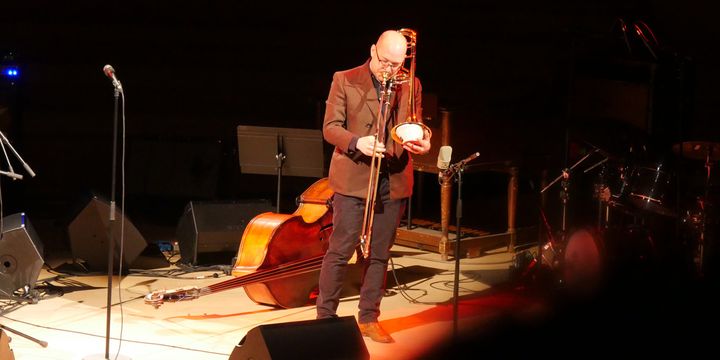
(123, 217)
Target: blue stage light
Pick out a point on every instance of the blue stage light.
(12, 72)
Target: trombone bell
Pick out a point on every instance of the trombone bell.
(408, 131)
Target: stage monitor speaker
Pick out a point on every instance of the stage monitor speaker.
(21, 256)
(207, 229)
(89, 237)
(335, 338)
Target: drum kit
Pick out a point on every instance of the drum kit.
(651, 216)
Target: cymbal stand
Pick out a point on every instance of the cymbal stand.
(565, 192)
(15, 176)
(601, 190)
(12, 174)
(700, 250)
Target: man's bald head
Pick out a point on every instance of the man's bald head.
(388, 53)
(393, 44)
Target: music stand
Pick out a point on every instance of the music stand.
(280, 151)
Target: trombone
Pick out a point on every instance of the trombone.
(369, 215)
(410, 130)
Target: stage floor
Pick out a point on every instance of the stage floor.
(71, 316)
(497, 315)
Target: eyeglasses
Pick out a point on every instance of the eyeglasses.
(385, 62)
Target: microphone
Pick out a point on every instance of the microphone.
(110, 72)
(444, 156)
(443, 161)
(460, 164)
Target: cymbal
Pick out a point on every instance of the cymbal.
(699, 150)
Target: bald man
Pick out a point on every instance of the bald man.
(350, 123)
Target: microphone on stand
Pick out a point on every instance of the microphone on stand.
(443, 161)
(464, 161)
(110, 72)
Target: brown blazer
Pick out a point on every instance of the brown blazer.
(351, 112)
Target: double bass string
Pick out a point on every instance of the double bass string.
(279, 272)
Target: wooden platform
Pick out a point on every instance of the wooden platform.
(426, 235)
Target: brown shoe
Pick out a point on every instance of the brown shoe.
(375, 332)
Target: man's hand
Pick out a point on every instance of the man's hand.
(419, 147)
(365, 145)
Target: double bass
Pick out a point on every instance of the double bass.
(279, 256)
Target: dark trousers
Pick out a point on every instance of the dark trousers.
(348, 215)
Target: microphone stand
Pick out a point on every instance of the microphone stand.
(280, 157)
(565, 192)
(111, 239)
(28, 296)
(457, 169)
(458, 233)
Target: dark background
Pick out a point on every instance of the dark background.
(510, 73)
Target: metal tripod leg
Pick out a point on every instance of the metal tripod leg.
(39, 342)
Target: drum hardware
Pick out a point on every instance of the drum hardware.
(636, 189)
(601, 191)
(587, 258)
(611, 191)
(565, 189)
(694, 222)
(596, 164)
(582, 266)
(698, 150)
(535, 262)
(594, 258)
(709, 152)
(549, 254)
(591, 259)
(651, 189)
